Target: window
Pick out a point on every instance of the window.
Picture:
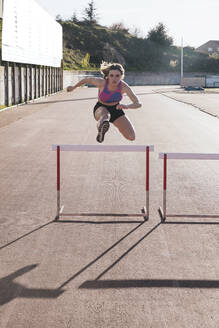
(210, 49)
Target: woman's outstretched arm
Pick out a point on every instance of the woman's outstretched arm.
(97, 82)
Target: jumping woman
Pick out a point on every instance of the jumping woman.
(108, 109)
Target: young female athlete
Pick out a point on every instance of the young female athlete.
(108, 108)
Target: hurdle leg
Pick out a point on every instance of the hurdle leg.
(146, 210)
(165, 188)
(58, 183)
(162, 211)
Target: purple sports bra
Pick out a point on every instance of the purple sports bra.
(107, 96)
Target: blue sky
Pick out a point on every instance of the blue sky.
(194, 20)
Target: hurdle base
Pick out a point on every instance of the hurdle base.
(194, 216)
(144, 211)
(163, 218)
(143, 214)
(59, 213)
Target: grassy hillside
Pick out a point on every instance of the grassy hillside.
(87, 45)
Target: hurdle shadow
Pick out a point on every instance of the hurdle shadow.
(62, 101)
(150, 283)
(26, 234)
(68, 221)
(95, 284)
(11, 290)
(146, 93)
(100, 256)
(80, 99)
(146, 283)
(128, 251)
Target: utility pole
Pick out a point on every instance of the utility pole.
(181, 60)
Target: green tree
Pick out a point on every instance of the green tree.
(74, 18)
(59, 18)
(90, 15)
(159, 36)
(119, 27)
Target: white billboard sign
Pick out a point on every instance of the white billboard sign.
(1, 4)
(30, 35)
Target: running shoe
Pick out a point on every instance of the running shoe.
(102, 129)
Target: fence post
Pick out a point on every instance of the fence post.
(46, 81)
(20, 82)
(43, 83)
(49, 80)
(6, 78)
(31, 82)
(13, 84)
(35, 81)
(53, 80)
(39, 80)
(61, 77)
(57, 79)
(26, 80)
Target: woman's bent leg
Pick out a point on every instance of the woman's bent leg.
(102, 115)
(125, 127)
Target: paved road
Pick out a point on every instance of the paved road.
(206, 101)
(107, 271)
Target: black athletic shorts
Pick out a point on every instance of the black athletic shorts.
(114, 113)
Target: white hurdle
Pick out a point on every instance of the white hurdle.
(178, 156)
(103, 148)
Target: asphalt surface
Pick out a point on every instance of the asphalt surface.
(108, 271)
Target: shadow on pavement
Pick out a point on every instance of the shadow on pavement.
(11, 290)
(81, 99)
(150, 283)
(26, 292)
(128, 251)
(26, 234)
(60, 101)
(67, 221)
(100, 256)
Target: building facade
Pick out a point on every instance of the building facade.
(209, 47)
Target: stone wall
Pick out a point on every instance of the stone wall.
(72, 77)
(132, 78)
(149, 78)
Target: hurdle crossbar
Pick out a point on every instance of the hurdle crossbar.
(180, 156)
(103, 148)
